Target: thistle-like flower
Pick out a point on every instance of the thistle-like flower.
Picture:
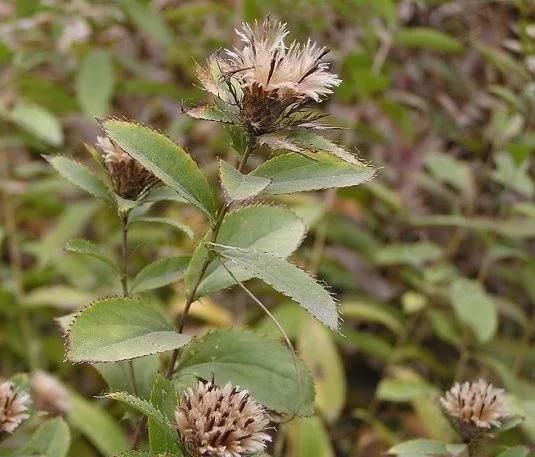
(49, 394)
(14, 405)
(475, 405)
(221, 421)
(129, 178)
(269, 82)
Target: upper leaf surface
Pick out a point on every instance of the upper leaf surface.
(116, 329)
(165, 159)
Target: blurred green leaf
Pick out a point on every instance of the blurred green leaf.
(428, 38)
(474, 307)
(38, 121)
(148, 19)
(94, 83)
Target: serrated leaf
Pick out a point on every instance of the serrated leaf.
(418, 448)
(428, 38)
(261, 365)
(80, 176)
(38, 121)
(165, 159)
(94, 83)
(97, 425)
(210, 113)
(167, 221)
(88, 248)
(238, 186)
(308, 140)
(139, 404)
(288, 280)
(115, 329)
(163, 437)
(52, 439)
(160, 273)
(474, 307)
(264, 228)
(296, 173)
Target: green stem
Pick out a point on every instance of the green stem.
(15, 260)
(222, 212)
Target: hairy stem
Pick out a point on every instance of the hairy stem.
(223, 210)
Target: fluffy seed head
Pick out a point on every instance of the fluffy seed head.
(130, 180)
(478, 404)
(13, 407)
(49, 394)
(221, 421)
(267, 79)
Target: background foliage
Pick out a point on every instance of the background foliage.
(432, 262)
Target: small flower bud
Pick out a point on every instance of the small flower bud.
(49, 394)
(129, 178)
(13, 407)
(221, 421)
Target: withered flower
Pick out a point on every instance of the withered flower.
(14, 405)
(129, 178)
(49, 394)
(475, 406)
(221, 421)
(270, 83)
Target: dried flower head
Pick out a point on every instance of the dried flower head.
(49, 394)
(14, 405)
(221, 421)
(267, 80)
(129, 178)
(478, 404)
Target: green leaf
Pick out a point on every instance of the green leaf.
(396, 389)
(52, 439)
(288, 280)
(149, 20)
(416, 254)
(143, 406)
(418, 448)
(427, 38)
(296, 173)
(367, 311)
(210, 113)
(119, 376)
(80, 176)
(474, 307)
(308, 140)
(165, 159)
(98, 426)
(167, 221)
(517, 451)
(307, 437)
(162, 436)
(452, 171)
(94, 83)
(321, 356)
(38, 121)
(90, 249)
(263, 366)
(160, 273)
(115, 329)
(238, 186)
(264, 228)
